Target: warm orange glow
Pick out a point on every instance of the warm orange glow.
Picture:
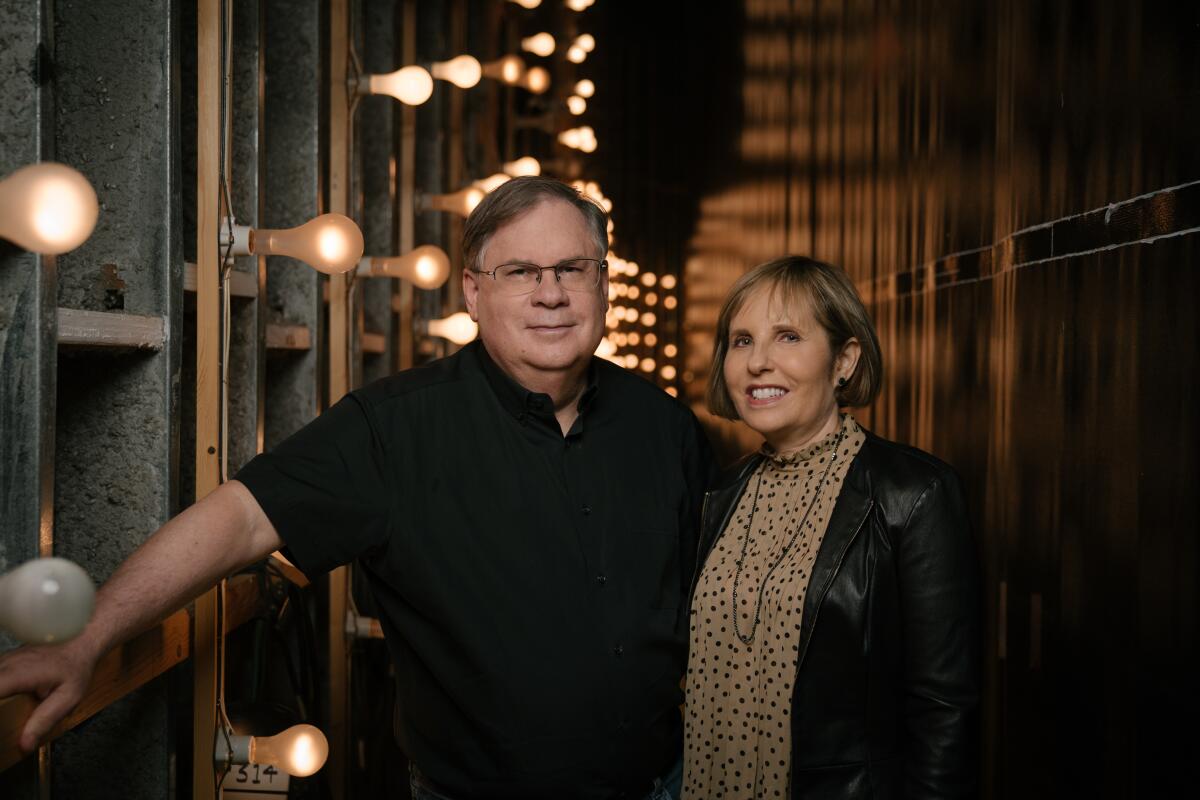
(668, 281)
(649, 279)
(507, 69)
(426, 267)
(585, 88)
(47, 208)
(462, 202)
(527, 165)
(463, 71)
(651, 299)
(670, 302)
(648, 319)
(458, 328)
(536, 80)
(648, 365)
(576, 54)
(493, 182)
(330, 243)
(585, 42)
(670, 351)
(576, 104)
(410, 85)
(651, 339)
(540, 44)
(668, 372)
(299, 751)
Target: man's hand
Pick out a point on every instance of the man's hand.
(56, 674)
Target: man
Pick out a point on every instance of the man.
(526, 516)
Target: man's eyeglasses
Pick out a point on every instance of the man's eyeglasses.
(574, 275)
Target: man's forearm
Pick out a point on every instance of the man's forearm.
(211, 539)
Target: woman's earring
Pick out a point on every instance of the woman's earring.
(841, 383)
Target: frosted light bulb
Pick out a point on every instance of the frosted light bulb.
(540, 44)
(585, 88)
(508, 69)
(585, 42)
(576, 104)
(426, 267)
(668, 372)
(527, 3)
(670, 350)
(649, 278)
(576, 54)
(330, 243)
(536, 80)
(45, 600)
(458, 328)
(606, 349)
(523, 166)
(579, 5)
(492, 182)
(410, 85)
(463, 71)
(668, 281)
(47, 208)
(462, 202)
(299, 751)
(648, 365)
(571, 137)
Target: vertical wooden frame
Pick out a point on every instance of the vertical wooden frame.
(406, 194)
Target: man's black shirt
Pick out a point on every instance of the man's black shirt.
(531, 585)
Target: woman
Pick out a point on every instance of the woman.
(833, 636)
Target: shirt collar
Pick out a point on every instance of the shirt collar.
(519, 401)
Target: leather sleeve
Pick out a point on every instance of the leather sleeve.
(939, 594)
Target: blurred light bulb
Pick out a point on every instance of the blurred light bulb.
(463, 71)
(576, 104)
(631, 360)
(606, 349)
(536, 80)
(631, 268)
(492, 182)
(540, 44)
(523, 166)
(47, 208)
(462, 202)
(648, 319)
(585, 88)
(670, 351)
(668, 372)
(410, 85)
(458, 328)
(649, 278)
(651, 299)
(45, 600)
(633, 292)
(426, 267)
(585, 42)
(648, 365)
(631, 315)
(670, 302)
(650, 339)
(579, 5)
(330, 243)
(576, 54)
(299, 751)
(634, 338)
(527, 3)
(668, 281)
(671, 390)
(507, 69)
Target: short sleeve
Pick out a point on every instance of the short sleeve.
(325, 488)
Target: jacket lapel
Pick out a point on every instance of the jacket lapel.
(849, 513)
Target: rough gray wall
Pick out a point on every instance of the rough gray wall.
(292, 188)
(116, 445)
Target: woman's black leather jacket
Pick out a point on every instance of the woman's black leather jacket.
(887, 676)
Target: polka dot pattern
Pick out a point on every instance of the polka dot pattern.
(739, 696)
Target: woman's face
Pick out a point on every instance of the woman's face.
(781, 372)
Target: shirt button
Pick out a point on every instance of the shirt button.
(601, 579)
(618, 651)
(586, 509)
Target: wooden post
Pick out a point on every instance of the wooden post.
(207, 624)
(406, 206)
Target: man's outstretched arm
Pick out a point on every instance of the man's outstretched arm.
(213, 538)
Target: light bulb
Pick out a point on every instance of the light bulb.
(426, 267)
(631, 360)
(670, 302)
(668, 281)
(585, 88)
(668, 372)
(571, 138)
(523, 166)
(299, 751)
(45, 600)
(492, 182)
(579, 5)
(410, 85)
(509, 69)
(536, 80)
(650, 339)
(540, 44)
(576, 54)
(47, 208)
(527, 3)
(606, 349)
(648, 319)
(576, 104)
(585, 42)
(648, 365)
(651, 299)
(330, 243)
(633, 338)
(649, 278)
(462, 202)
(463, 71)
(670, 351)
(458, 328)
(671, 390)
(632, 292)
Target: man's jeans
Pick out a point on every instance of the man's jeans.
(667, 787)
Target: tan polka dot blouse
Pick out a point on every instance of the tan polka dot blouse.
(742, 665)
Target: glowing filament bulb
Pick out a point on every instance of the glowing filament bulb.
(585, 88)
(299, 751)
(463, 71)
(576, 54)
(45, 600)
(47, 208)
(426, 267)
(410, 85)
(576, 104)
(536, 80)
(507, 69)
(462, 202)
(493, 182)
(540, 44)
(330, 243)
(523, 166)
(458, 328)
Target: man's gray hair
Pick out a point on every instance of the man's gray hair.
(512, 199)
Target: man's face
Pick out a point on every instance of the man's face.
(550, 329)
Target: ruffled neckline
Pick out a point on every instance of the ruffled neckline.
(790, 460)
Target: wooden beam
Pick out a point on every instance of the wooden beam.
(288, 569)
(208, 626)
(402, 297)
(78, 328)
(375, 343)
(118, 673)
(241, 284)
(289, 337)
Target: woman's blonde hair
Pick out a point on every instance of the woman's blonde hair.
(836, 307)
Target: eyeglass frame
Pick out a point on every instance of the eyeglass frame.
(601, 266)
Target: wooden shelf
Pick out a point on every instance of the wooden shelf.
(110, 329)
(374, 343)
(241, 284)
(289, 337)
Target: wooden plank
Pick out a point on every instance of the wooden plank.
(241, 284)
(289, 337)
(375, 343)
(402, 298)
(118, 673)
(288, 569)
(208, 626)
(78, 328)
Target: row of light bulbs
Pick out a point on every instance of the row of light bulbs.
(574, 5)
